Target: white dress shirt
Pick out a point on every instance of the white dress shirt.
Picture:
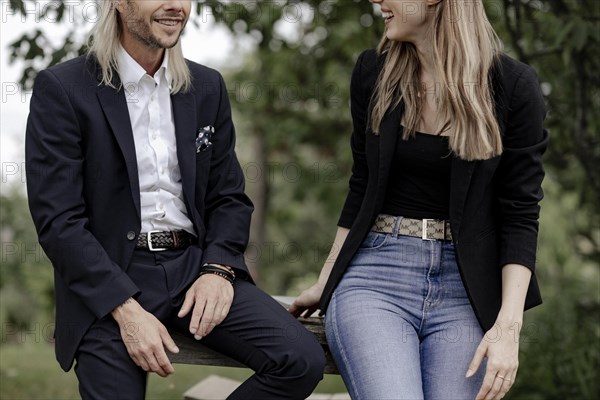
(151, 116)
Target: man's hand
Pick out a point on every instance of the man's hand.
(144, 336)
(211, 297)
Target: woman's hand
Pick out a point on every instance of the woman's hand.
(501, 347)
(308, 301)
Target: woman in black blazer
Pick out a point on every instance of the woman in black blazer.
(434, 258)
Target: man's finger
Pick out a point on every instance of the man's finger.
(187, 305)
(164, 362)
(207, 321)
(224, 311)
(196, 316)
(168, 341)
(153, 364)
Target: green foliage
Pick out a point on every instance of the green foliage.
(26, 286)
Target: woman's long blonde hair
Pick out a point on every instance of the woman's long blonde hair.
(465, 48)
(103, 43)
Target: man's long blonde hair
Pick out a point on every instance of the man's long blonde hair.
(104, 41)
(465, 48)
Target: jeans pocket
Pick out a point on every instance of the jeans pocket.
(373, 241)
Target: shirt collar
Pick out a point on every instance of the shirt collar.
(132, 72)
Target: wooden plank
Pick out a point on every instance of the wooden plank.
(215, 387)
(194, 352)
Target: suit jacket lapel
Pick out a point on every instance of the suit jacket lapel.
(184, 115)
(114, 106)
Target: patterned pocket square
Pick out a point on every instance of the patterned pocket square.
(203, 139)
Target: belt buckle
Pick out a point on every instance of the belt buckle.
(149, 241)
(425, 222)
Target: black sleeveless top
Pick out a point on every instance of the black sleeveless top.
(419, 181)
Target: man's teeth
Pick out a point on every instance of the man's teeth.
(168, 22)
(387, 15)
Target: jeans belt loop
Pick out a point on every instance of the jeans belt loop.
(396, 231)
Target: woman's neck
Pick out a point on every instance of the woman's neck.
(426, 60)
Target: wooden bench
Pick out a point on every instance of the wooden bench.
(193, 352)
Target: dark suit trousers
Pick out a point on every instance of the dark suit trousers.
(287, 359)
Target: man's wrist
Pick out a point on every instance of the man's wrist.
(224, 271)
(118, 312)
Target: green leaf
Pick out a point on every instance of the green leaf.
(579, 36)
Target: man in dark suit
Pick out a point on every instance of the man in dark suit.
(138, 200)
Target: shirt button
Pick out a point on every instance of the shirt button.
(153, 97)
(162, 170)
(130, 235)
(160, 206)
(154, 136)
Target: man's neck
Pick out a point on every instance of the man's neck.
(149, 58)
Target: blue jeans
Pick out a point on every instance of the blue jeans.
(400, 324)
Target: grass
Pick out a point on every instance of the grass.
(29, 371)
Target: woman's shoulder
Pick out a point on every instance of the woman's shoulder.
(510, 72)
(369, 62)
(366, 71)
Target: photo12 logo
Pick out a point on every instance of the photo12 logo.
(70, 11)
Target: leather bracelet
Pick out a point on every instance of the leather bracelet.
(225, 274)
(221, 274)
(219, 267)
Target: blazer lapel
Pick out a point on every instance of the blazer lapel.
(184, 115)
(114, 106)
(460, 180)
(462, 170)
(389, 131)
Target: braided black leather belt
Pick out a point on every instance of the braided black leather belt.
(164, 240)
(426, 229)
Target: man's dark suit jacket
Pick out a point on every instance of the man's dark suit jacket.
(83, 187)
(493, 203)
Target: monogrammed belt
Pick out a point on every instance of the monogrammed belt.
(426, 229)
(164, 240)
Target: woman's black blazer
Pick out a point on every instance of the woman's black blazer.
(493, 203)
